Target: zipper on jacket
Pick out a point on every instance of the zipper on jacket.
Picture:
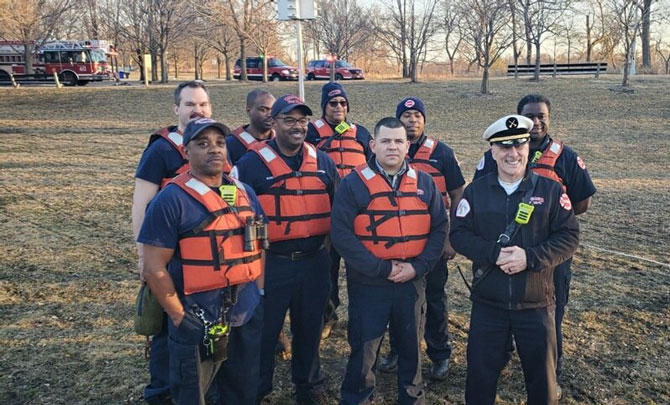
(509, 277)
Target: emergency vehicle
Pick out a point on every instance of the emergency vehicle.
(75, 62)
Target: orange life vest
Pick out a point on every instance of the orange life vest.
(175, 139)
(546, 165)
(212, 254)
(395, 224)
(344, 149)
(245, 138)
(297, 204)
(421, 161)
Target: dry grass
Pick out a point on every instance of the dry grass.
(67, 275)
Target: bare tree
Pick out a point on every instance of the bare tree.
(244, 15)
(342, 26)
(453, 29)
(645, 7)
(222, 34)
(262, 33)
(626, 16)
(663, 50)
(171, 19)
(516, 52)
(486, 29)
(539, 17)
(31, 22)
(566, 30)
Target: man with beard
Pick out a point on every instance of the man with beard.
(295, 183)
(516, 227)
(434, 157)
(259, 128)
(348, 144)
(551, 158)
(200, 264)
(389, 223)
(163, 159)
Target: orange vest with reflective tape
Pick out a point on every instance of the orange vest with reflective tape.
(395, 224)
(175, 139)
(246, 139)
(545, 165)
(421, 161)
(297, 204)
(344, 149)
(212, 254)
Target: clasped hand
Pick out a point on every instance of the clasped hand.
(401, 272)
(512, 259)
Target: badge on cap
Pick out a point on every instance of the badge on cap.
(334, 93)
(409, 103)
(293, 99)
(512, 123)
(203, 121)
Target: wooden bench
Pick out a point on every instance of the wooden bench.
(587, 68)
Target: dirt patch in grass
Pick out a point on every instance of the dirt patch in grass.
(67, 273)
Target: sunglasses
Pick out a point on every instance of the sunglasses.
(343, 103)
(512, 143)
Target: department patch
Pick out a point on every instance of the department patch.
(293, 99)
(565, 202)
(481, 163)
(537, 200)
(463, 208)
(334, 92)
(409, 103)
(580, 163)
(419, 191)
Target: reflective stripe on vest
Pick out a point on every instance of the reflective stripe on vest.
(421, 161)
(395, 224)
(212, 253)
(297, 204)
(175, 139)
(546, 165)
(344, 149)
(246, 139)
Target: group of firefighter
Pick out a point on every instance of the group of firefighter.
(235, 228)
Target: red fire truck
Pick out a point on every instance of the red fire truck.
(75, 62)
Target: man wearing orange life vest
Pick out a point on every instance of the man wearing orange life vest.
(551, 158)
(200, 259)
(389, 223)
(434, 157)
(348, 144)
(163, 159)
(295, 183)
(259, 128)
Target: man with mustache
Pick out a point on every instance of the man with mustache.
(295, 183)
(389, 224)
(200, 264)
(434, 157)
(348, 144)
(551, 158)
(516, 227)
(259, 128)
(163, 159)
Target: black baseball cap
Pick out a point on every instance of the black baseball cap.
(195, 127)
(287, 103)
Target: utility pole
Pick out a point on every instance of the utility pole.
(297, 10)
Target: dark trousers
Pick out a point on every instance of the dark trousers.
(159, 365)
(371, 309)
(562, 277)
(535, 336)
(437, 315)
(334, 300)
(302, 287)
(191, 372)
(238, 377)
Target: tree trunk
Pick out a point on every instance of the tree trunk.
(485, 81)
(218, 67)
(626, 67)
(226, 58)
(175, 62)
(195, 63)
(646, 45)
(451, 66)
(164, 67)
(154, 66)
(264, 61)
(28, 57)
(140, 63)
(331, 69)
(536, 74)
(243, 60)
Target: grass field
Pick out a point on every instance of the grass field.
(68, 275)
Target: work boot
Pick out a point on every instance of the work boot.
(162, 399)
(440, 369)
(311, 398)
(328, 328)
(388, 364)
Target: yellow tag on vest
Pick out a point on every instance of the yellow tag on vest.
(523, 213)
(229, 193)
(536, 157)
(342, 127)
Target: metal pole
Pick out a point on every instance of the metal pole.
(301, 79)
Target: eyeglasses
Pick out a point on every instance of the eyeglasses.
(334, 104)
(290, 121)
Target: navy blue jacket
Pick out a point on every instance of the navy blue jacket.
(159, 160)
(363, 267)
(550, 238)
